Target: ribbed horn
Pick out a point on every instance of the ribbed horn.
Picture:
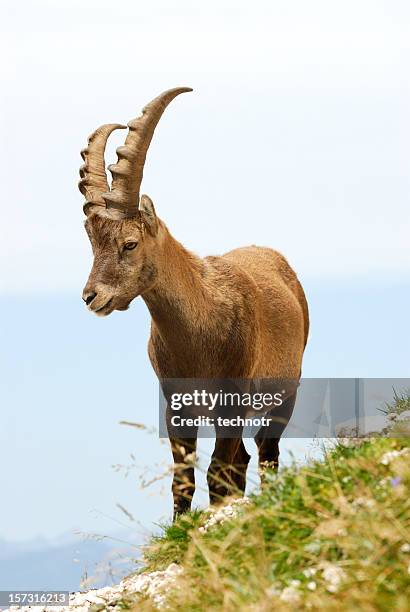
(93, 175)
(127, 172)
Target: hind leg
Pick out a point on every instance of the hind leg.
(267, 438)
(239, 468)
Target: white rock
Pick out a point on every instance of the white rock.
(219, 515)
(153, 584)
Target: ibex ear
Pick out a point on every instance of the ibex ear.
(148, 214)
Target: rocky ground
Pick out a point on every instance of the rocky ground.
(153, 585)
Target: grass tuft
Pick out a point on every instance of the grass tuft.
(333, 535)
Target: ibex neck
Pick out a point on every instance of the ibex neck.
(180, 295)
(196, 314)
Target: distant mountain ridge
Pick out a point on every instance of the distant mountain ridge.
(62, 563)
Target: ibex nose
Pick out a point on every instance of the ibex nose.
(88, 297)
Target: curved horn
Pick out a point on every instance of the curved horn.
(93, 176)
(127, 172)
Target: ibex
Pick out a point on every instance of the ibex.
(241, 315)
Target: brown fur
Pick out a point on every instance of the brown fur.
(240, 315)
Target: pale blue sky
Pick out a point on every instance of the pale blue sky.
(296, 137)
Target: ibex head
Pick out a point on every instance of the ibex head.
(123, 229)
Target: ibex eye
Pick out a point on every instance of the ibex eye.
(130, 245)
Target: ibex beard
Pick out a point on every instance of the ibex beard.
(242, 315)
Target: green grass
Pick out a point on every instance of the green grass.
(400, 404)
(332, 535)
(171, 546)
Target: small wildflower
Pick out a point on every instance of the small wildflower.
(313, 547)
(311, 585)
(395, 481)
(405, 548)
(273, 591)
(333, 575)
(309, 572)
(364, 502)
(290, 595)
(388, 457)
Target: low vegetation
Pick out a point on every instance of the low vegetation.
(331, 535)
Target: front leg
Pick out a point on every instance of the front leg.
(183, 452)
(183, 481)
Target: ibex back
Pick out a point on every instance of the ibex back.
(241, 315)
